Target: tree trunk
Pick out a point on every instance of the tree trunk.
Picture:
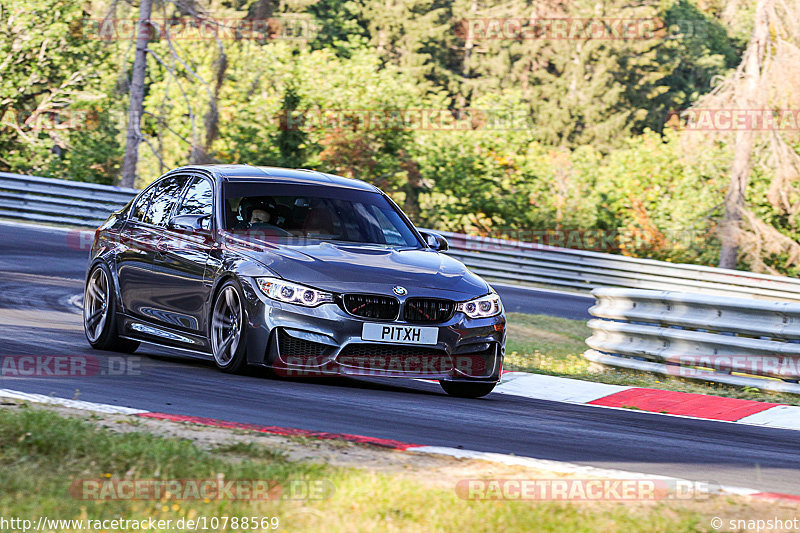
(463, 100)
(740, 170)
(134, 136)
(735, 200)
(200, 155)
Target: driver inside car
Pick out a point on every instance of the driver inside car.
(260, 213)
(259, 216)
(257, 211)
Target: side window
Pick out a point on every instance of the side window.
(166, 194)
(198, 200)
(140, 209)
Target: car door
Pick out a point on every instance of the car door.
(179, 289)
(138, 245)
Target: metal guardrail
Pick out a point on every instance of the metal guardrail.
(520, 262)
(730, 340)
(87, 205)
(59, 201)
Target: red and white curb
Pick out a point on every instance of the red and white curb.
(684, 404)
(556, 467)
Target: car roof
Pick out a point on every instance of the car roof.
(243, 173)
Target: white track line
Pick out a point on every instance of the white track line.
(75, 404)
(43, 227)
(781, 416)
(553, 388)
(559, 467)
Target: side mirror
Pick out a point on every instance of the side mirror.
(189, 223)
(435, 241)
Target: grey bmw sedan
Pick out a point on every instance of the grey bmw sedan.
(303, 272)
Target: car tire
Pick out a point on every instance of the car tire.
(100, 313)
(227, 333)
(467, 390)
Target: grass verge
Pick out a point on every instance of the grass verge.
(551, 345)
(43, 453)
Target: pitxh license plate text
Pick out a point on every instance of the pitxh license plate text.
(399, 334)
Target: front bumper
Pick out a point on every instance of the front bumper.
(324, 341)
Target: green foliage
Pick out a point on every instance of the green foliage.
(662, 202)
(704, 50)
(339, 26)
(291, 142)
(95, 155)
(47, 68)
(561, 134)
(648, 198)
(787, 224)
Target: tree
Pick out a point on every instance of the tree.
(44, 76)
(750, 72)
(766, 80)
(290, 140)
(134, 136)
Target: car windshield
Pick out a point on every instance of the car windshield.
(300, 214)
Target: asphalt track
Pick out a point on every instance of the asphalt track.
(41, 268)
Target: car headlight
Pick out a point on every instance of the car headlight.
(292, 293)
(482, 307)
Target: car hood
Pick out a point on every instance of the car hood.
(341, 267)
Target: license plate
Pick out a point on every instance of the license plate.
(399, 334)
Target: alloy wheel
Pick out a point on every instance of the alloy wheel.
(226, 326)
(95, 304)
